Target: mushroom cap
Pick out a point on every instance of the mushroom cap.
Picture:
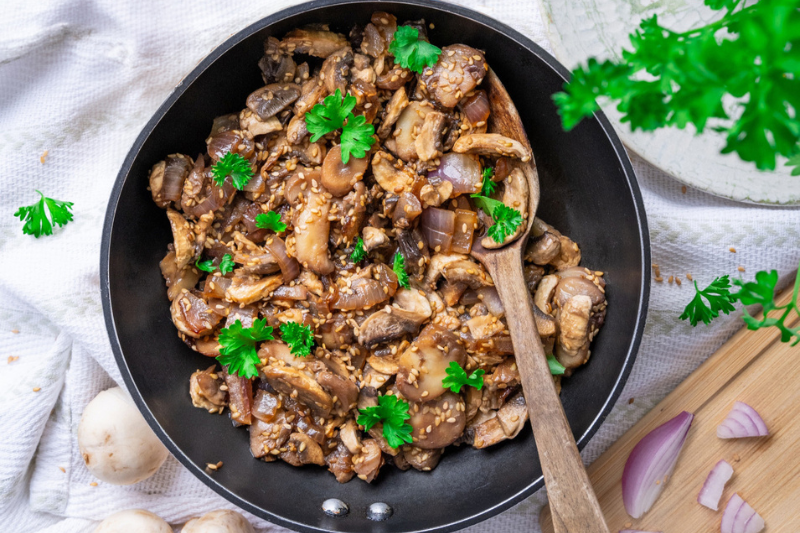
(137, 520)
(220, 521)
(116, 443)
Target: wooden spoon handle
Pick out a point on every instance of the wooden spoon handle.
(572, 500)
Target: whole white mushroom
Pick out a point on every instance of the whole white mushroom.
(117, 445)
(221, 521)
(137, 520)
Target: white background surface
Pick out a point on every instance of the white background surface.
(80, 78)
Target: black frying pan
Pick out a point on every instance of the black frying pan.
(588, 191)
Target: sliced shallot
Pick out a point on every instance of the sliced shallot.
(743, 421)
(712, 489)
(739, 517)
(651, 463)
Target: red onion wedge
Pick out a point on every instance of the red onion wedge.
(743, 421)
(651, 463)
(739, 517)
(712, 489)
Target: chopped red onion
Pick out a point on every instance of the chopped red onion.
(651, 463)
(715, 483)
(462, 170)
(438, 226)
(743, 421)
(489, 296)
(739, 517)
(290, 268)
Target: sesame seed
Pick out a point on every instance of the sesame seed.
(93, 484)
(740, 268)
(37, 389)
(732, 250)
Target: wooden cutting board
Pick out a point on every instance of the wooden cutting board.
(753, 367)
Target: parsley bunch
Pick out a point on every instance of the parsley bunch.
(225, 265)
(235, 166)
(238, 347)
(299, 337)
(335, 112)
(457, 377)
(751, 54)
(506, 219)
(399, 268)
(270, 220)
(392, 413)
(40, 217)
(761, 292)
(411, 52)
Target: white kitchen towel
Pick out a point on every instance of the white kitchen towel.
(78, 80)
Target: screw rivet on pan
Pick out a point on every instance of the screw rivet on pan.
(335, 508)
(379, 512)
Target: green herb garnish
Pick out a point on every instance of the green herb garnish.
(335, 112)
(235, 166)
(359, 253)
(718, 294)
(556, 368)
(794, 161)
(489, 186)
(457, 378)
(399, 268)
(392, 413)
(238, 347)
(299, 337)
(270, 220)
(225, 265)
(750, 55)
(40, 217)
(506, 219)
(411, 52)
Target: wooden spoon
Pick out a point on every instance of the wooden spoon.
(572, 500)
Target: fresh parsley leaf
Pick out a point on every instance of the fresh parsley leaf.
(399, 268)
(235, 166)
(40, 217)
(299, 337)
(238, 347)
(359, 253)
(719, 299)
(556, 368)
(270, 220)
(205, 266)
(226, 265)
(357, 137)
(750, 56)
(794, 161)
(762, 292)
(489, 186)
(412, 52)
(392, 413)
(488, 205)
(506, 219)
(457, 378)
(329, 115)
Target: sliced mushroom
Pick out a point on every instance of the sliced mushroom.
(394, 107)
(406, 210)
(423, 365)
(240, 398)
(408, 127)
(311, 93)
(183, 237)
(409, 311)
(266, 437)
(484, 327)
(436, 195)
(268, 101)
(367, 100)
(296, 130)
(572, 286)
(422, 460)
(388, 176)
(545, 324)
(569, 256)
(317, 43)
(343, 390)
(491, 144)
(311, 231)
(572, 344)
(428, 142)
(249, 289)
(373, 238)
(205, 390)
(276, 66)
(486, 430)
(543, 249)
(468, 272)
(368, 461)
(178, 280)
(513, 415)
(340, 462)
(438, 423)
(460, 69)
(437, 266)
(339, 178)
(544, 293)
(336, 70)
(452, 291)
(350, 436)
(192, 315)
(299, 385)
(362, 69)
(302, 450)
(515, 196)
(167, 179)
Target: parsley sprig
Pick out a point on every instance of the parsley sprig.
(359, 253)
(411, 52)
(761, 292)
(238, 347)
(335, 112)
(299, 337)
(235, 166)
(399, 268)
(226, 264)
(506, 219)
(489, 186)
(270, 220)
(751, 54)
(457, 377)
(40, 217)
(392, 413)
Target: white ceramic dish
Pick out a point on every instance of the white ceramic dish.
(579, 29)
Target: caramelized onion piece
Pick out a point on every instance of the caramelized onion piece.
(465, 224)
(290, 267)
(438, 227)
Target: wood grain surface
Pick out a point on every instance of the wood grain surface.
(753, 367)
